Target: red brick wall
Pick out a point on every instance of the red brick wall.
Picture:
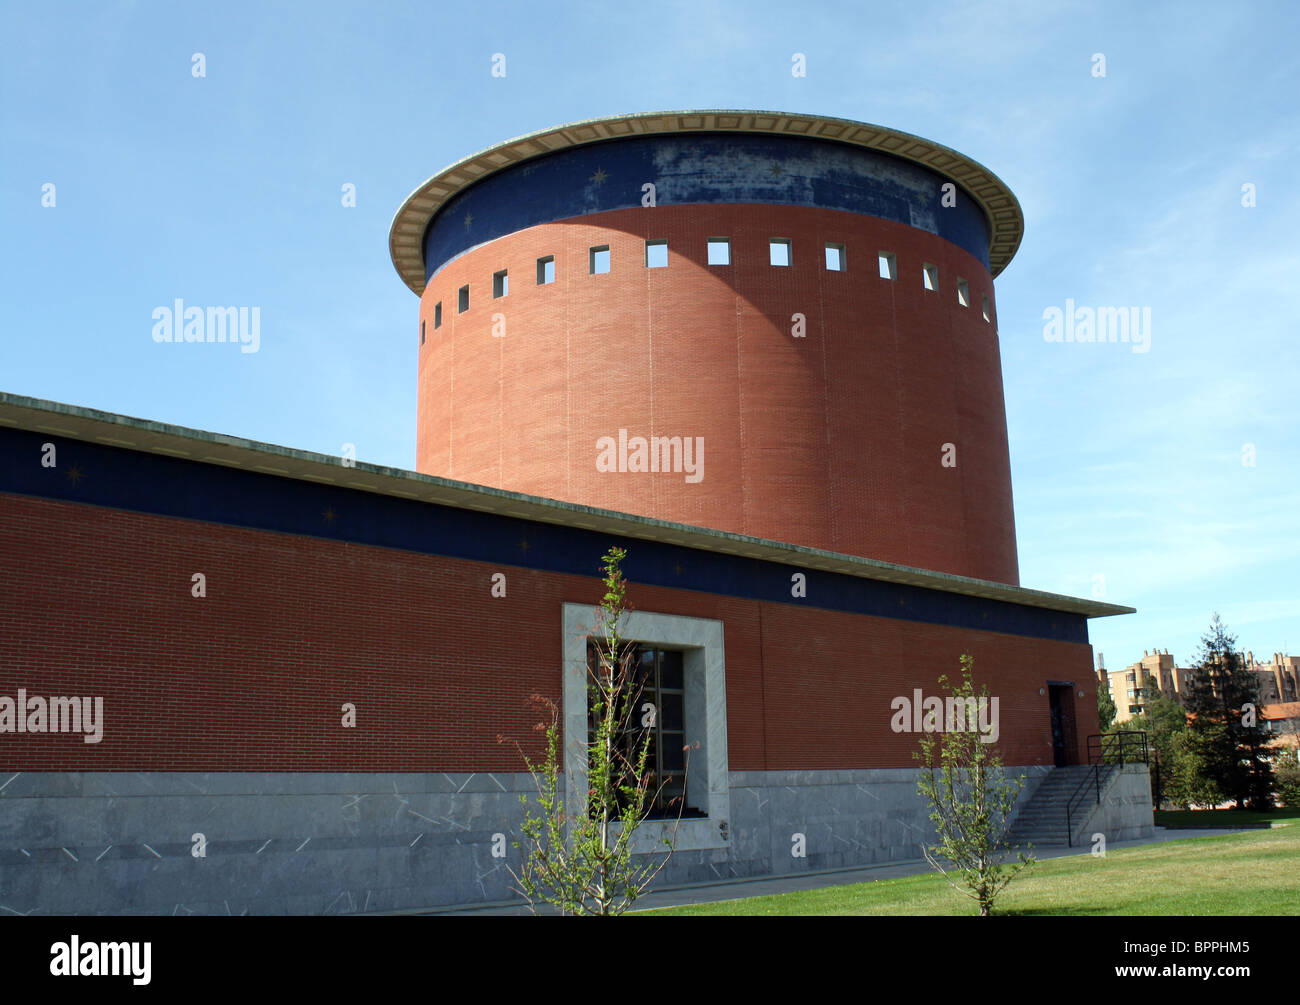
(832, 441)
(95, 601)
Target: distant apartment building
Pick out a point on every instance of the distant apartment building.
(1279, 686)
(1279, 696)
(1127, 686)
(1279, 678)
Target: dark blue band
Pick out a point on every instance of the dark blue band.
(173, 487)
(702, 168)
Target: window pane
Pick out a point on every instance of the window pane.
(670, 710)
(670, 673)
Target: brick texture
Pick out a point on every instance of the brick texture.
(97, 601)
(833, 440)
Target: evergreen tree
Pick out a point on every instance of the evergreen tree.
(1226, 733)
(1106, 710)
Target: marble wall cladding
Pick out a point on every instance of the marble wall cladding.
(306, 843)
(1125, 812)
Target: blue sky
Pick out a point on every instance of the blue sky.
(1128, 467)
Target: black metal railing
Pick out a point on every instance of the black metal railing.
(1105, 750)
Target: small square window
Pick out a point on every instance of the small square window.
(779, 251)
(963, 292)
(500, 284)
(656, 254)
(462, 299)
(930, 276)
(719, 251)
(546, 270)
(599, 260)
(421, 333)
(888, 265)
(437, 315)
(835, 258)
(985, 299)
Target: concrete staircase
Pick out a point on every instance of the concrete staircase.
(1042, 821)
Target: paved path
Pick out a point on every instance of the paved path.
(737, 889)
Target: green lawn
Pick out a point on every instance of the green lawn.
(1223, 818)
(1255, 872)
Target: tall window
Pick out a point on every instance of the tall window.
(500, 284)
(719, 249)
(546, 270)
(779, 251)
(834, 257)
(462, 299)
(599, 260)
(656, 710)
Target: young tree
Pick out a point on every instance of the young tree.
(1226, 732)
(970, 797)
(586, 865)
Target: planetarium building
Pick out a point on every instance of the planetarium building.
(758, 351)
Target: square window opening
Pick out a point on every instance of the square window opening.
(719, 250)
(656, 254)
(835, 258)
(779, 251)
(599, 260)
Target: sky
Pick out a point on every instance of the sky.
(1158, 177)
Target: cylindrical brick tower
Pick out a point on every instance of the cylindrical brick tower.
(775, 325)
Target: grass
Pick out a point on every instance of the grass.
(1223, 818)
(1255, 872)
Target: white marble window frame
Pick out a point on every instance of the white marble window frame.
(704, 660)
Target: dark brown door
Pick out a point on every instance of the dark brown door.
(1065, 746)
